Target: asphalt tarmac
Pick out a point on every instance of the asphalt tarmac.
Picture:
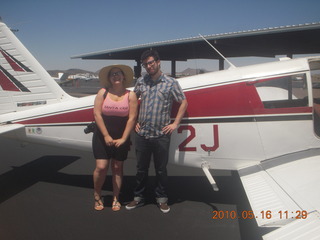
(47, 193)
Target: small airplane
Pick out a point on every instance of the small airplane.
(60, 77)
(85, 77)
(261, 120)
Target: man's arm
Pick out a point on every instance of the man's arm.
(182, 109)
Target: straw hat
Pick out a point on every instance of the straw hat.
(104, 74)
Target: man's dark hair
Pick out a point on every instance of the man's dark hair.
(150, 53)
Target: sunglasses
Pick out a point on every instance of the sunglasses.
(119, 73)
(148, 63)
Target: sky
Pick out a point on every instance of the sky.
(54, 31)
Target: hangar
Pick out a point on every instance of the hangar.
(266, 42)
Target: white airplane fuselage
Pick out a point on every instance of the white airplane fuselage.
(226, 123)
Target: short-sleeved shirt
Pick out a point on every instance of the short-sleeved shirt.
(156, 103)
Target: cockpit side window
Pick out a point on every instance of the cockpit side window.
(283, 92)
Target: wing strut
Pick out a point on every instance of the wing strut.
(205, 167)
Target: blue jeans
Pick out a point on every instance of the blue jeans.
(159, 149)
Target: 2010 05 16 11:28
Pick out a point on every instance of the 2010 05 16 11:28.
(267, 214)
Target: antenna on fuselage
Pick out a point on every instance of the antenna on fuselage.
(231, 65)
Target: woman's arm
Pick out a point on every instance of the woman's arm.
(97, 111)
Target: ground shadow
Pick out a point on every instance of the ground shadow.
(41, 169)
(181, 188)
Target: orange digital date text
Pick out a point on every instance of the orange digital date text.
(299, 214)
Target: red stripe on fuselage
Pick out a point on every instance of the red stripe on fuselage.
(230, 100)
(80, 116)
(238, 99)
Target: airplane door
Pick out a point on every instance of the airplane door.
(315, 78)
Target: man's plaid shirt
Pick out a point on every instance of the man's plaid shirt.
(156, 103)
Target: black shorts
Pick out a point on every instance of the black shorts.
(102, 151)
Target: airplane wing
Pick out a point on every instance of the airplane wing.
(284, 193)
(10, 127)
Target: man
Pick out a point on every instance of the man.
(157, 92)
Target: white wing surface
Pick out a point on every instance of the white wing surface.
(284, 192)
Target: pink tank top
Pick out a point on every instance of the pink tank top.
(116, 108)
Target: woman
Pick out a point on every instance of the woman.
(115, 113)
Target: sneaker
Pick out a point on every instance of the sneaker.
(164, 207)
(134, 204)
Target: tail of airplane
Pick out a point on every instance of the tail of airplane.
(24, 83)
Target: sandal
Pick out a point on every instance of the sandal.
(98, 204)
(116, 205)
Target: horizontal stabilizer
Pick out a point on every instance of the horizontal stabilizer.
(10, 127)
